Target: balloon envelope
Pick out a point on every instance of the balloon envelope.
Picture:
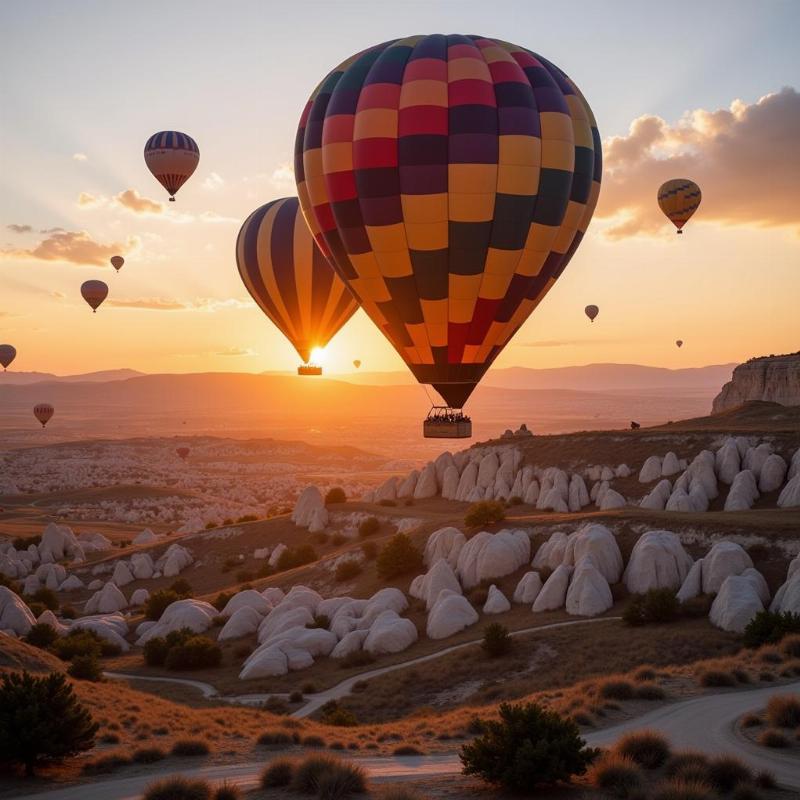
(7, 354)
(172, 157)
(591, 312)
(117, 262)
(679, 199)
(679, 342)
(449, 179)
(357, 363)
(289, 278)
(94, 292)
(43, 412)
(183, 452)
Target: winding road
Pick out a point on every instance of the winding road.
(706, 723)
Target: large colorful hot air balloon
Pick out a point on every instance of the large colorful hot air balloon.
(117, 262)
(591, 312)
(290, 279)
(450, 180)
(172, 157)
(43, 412)
(679, 199)
(7, 354)
(94, 292)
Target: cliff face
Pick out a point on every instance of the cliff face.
(772, 378)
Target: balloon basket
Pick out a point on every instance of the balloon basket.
(172, 199)
(309, 369)
(444, 422)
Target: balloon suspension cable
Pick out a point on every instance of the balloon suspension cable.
(428, 395)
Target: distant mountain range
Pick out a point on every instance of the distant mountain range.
(25, 378)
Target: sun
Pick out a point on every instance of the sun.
(318, 355)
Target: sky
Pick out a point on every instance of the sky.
(707, 90)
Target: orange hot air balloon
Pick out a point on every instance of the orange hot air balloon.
(290, 280)
(7, 354)
(679, 342)
(183, 452)
(357, 363)
(172, 157)
(679, 199)
(43, 412)
(591, 312)
(117, 262)
(449, 179)
(94, 292)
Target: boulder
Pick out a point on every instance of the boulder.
(551, 553)
(14, 613)
(692, 585)
(111, 627)
(727, 461)
(71, 584)
(578, 493)
(197, 615)
(622, 471)
(554, 592)
(249, 598)
(58, 542)
(794, 465)
(658, 496)
(743, 492)
(427, 485)
(496, 602)
(309, 501)
(107, 601)
(679, 501)
(276, 554)
(139, 597)
(283, 618)
(773, 473)
(350, 643)
(387, 490)
(651, 470)
(390, 633)
(657, 561)
(242, 622)
(787, 598)
(273, 595)
(407, 486)
(502, 554)
(444, 543)
(528, 588)
(427, 587)
(48, 618)
(122, 575)
(790, 494)
(759, 584)
(450, 481)
(531, 495)
(267, 663)
(487, 470)
(589, 593)
(735, 605)
(145, 537)
(95, 585)
(142, 566)
(319, 520)
(723, 560)
(755, 458)
(467, 482)
(670, 465)
(607, 474)
(612, 499)
(598, 543)
(450, 614)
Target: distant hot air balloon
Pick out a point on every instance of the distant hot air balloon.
(679, 199)
(117, 262)
(357, 363)
(183, 452)
(43, 412)
(591, 312)
(450, 180)
(94, 292)
(7, 354)
(289, 278)
(172, 157)
(679, 342)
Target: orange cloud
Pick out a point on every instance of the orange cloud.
(19, 228)
(88, 200)
(744, 158)
(237, 351)
(208, 304)
(74, 247)
(133, 201)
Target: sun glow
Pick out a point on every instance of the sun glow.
(318, 355)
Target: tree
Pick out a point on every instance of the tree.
(398, 557)
(368, 527)
(655, 606)
(527, 747)
(42, 720)
(335, 495)
(486, 512)
(769, 627)
(158, 602)
(496, 641)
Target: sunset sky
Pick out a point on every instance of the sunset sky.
(705, 90)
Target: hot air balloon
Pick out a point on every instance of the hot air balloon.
(43, 412)
(94, 292)
(679, 342)
(450, 180)
(679, 199)
(7, 354)
(117, 262)
(183, 452)
(357, 363)
(172, 157)
(591, 312)
(290, 279)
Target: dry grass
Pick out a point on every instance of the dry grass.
(618, 775)
(648, 749)
(783, 711)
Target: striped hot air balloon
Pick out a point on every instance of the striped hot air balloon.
(450, 180)
(290, 279)
(7, 354)
(172, 157)
(679, 199)
(43, 412)
(94, 292)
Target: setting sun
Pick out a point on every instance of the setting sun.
(318, 355)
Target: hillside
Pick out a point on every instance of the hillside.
(770, 378)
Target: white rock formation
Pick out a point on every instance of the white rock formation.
(790, 494)
(496, 602)
(658, 496)
(578, 493)
(528, 588)
(194, 614)
(692, 585)
(242, 622)
(612, 499)
(727, 461)
(597, 542)
(248, 598)
(773, 473)
(122, 575)
(427, 485)
(139, 597)
(554, 592)
(450, 614)
(589, 593)
(658, 561)
(145, 537)
(736, 603)
(743, 492)
(310, 508)
(651, 470)
(107, 601)
(444, 543)
(551, 553)
(670, 465)
(428, 586)
(71, 584)
(390, 633)
(15, 616)
(723, 560)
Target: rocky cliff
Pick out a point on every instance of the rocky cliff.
(773, 378)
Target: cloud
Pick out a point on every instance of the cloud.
(204, 304)
(566, 342)
(58, 295)
(213, 181)
(282, 178)
(80, 157)
(74, 247)
(133, 201)
(88, 200)
(214, 218)
(236, 351)
(744, 158)
(19, 228)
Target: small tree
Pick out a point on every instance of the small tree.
(655, 606)
(158, 602)
(486, 512)
(85, 668)
(398, 557)
(335, 495)
(496, 641)
(41, 720)
(368, 527)
(769, 627)
(181, 587)
(41, 635)
(527, 747)
(347, 569)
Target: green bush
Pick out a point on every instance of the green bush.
(716, 677)
(496, 641)
(483, 513)
(369, 527)
(656, 606)
(85, 668)
(398, 556)
(335, 495)
(178, 788)
(221, 600)
(78, 643)
(347, 569)
(334, 714)
(527, 747)
(41, 635)
(294, 557)
(158, 602)
(68, 612)
(769, 627)
(41, 720)
(358, 658)
(181, 587)
(277, 773)
(199, 652)
(47, 597)
(10, 583)
(190, 748)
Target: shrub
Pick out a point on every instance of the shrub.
(41, 635)
(790, 645)
(388, 503)
(85, 668)
(647, 748)
(37, 609)
(617, 690)
(515, 500)
(341, 781)
(199, 652)
(228, 791)
(772, 737)
(10, 583)
(296, 697)
(679, 789)
(616, 774)
(148, 755)
(181, 587)
(486, 512)
(359, 658)
(314, 772)
(68, 612)
(105, 763)
(274, 739)
(155, 652)
(369, 527)
(496, 641)
(716, 677)
(399, 556)
(407, 750)
(768, 627)
(296, 557)
(526, 747)
(157, 603)
(78, 643)
(277, 773)
(656, 606)
(687, 765)
(244, 576)
(370, 550)
(334, 714)
(190, 747)
(347, 569)
(247, 518)
(335, 495)
(313, 741)
(726, 772)
(178, 788)
(783, 711)
(41, 720)
(47, 597)
(221, 600)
